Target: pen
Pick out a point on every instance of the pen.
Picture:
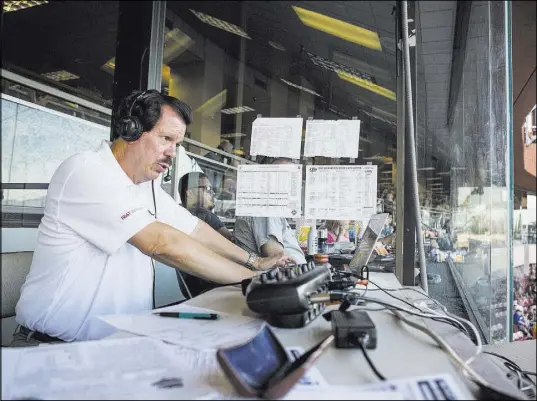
(189, 315)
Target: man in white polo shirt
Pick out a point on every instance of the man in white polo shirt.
(104, 222)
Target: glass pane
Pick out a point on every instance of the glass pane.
(64, 49)
(235, 61)
(68, 45)
(464, 175)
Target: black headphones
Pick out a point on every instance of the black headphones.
(129, 127)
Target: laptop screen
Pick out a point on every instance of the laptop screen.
(369, 239)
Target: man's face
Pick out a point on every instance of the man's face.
(156, 148)
(205, 194)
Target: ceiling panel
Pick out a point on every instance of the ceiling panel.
(436, 77)
(444, 46)
(437, 19)
(436, 34)
(437, 68)
(427, 6)
(437, 58)
(383, 8)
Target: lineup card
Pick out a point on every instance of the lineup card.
(332, 138)
(276, 137)
(340, 192)
(273, 190)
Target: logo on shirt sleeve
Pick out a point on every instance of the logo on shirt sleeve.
(130, 213)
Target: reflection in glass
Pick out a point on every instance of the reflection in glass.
(236, 61)
(463, 131)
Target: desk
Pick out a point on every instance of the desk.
(401, 351)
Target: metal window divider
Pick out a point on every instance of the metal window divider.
(352, 160)
(298, 160)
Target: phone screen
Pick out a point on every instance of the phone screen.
(258, 360)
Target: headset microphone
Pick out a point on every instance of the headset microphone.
(167, 177)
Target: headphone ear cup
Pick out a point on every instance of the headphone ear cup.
(135, 129)
(129, 128)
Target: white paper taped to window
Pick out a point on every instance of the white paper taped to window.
(269, 190)
(340, 192)
(276, 137)
(337, 138)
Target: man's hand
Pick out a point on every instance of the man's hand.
(269, 262)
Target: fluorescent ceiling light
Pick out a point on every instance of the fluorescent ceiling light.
(365, 140)
(20, 5)
(60, 75)
(221, 24)
(377, 117)
(385, 172)
(362, 65)
(237, 110)
(363, 83)
(425, 168)
(276, 45)
(176, 42)
(458, 168)
(444, 173)
(433, 178)
(385, 114)
(301, 88)
(233, 135)
(339, 28)
(339, 113)
(335, 67)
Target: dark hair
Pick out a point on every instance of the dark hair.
(189, 181)
(148, 108)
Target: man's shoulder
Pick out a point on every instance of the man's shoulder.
(78, 165)
(199, 211)
(207, 216)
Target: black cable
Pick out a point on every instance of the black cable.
(510, 364)
(359, 341)
(459, 325)
(455, 323)
(152, 260)
(394, 297)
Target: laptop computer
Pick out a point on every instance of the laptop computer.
(367, 244)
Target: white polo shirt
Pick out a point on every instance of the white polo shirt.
(83, 266)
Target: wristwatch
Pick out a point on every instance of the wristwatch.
(252, 261)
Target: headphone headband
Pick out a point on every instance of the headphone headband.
(129, 127)
(140, 96)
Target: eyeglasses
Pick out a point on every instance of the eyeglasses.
(208, 188)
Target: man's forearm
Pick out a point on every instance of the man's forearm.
(272, 247)
(175, 248)
(215, 241)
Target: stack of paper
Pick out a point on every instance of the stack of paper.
(136, 367)
(196, 334)
(145, 368)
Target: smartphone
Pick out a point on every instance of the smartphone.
(262, 368)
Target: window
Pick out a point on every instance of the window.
(234, 61)
(56, 95)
